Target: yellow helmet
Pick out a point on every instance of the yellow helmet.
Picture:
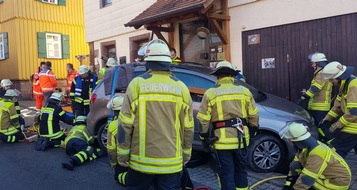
(225, 67)
(335, 70)
(296, 132)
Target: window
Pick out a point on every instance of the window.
(53, 45)
(50, 1)
(3, 46)
(104, 3)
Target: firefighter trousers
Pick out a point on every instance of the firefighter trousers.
(343, 143)
(80, 109)
(14, 138)
(81, 151)
(39, 100)
(141, 181)
(232, 174)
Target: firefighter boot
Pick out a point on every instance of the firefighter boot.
(69, 165)
(42, 144)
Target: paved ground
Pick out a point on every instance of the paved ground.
(23, 167)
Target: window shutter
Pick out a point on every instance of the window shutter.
(41, 43)
(6, 45)
(65, 47)
(62, 2)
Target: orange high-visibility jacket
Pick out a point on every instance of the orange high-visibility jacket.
(70, 77)
(36, 88)
(48, 80)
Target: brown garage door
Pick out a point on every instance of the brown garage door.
(289, 72)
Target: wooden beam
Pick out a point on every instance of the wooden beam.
(226, 29)
(173, 19)
(219, 16)
(162, 29)
(160, 36)
(219, 30)
(207, 6)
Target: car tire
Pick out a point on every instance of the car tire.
(266, 153)
(103, 136)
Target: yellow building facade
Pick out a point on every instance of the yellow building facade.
(32, 31)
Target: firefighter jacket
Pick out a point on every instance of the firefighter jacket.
(2, 92)
(70, 76)
(48, 80)
(329, 170)
(50, 116)
(36, 87)
(81, 88)
(225, 101)
(101, 73)
(79, 131)
(345, 106)
(176, 60)
(319, 93)
(112, 142)
(156, 124)
(9, 123)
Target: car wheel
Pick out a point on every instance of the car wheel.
(266, 153)
(103, 136)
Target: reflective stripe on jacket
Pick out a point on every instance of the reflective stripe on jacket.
(69, 79)
(157, 123)
(9, 119)
(227, 101)
(48, 80)
(176, 60)
(50, 116)
(80, 132)
(346, 106)
(81, 88)
(319, 93)
(112, 142)
(325, 166)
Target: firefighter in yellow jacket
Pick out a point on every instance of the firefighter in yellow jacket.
(120, 172)
(10, 130)
(318, 96)
(315, 166)
(78, 145)
(231, 110)
(155, 124)
(344, 129)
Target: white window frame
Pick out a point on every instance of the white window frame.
(55, 2)
(50, 46)
(2, 47)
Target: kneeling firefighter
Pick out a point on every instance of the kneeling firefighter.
(78, 145)
(315, 166)
(231, 110)
(50, 133)
(120, 172)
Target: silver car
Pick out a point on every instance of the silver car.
(267, 152)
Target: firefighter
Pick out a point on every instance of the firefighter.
(5, 85)
(111, 62)
(81, 90)
(155, 123)
(315, 165)
(36, 87)
(10, 130)
(344, 130)
(78, 145)
(120, 172)
(50, 133)
(17, 106)
(317, 98)
(71, 74)
(175, 59)
(231, 110)
(48, 81)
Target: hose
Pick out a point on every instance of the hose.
(266, 180)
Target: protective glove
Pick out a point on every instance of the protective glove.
(289, 182)
(335, 129)
(324, 132)
(304, 101)
(253, 130)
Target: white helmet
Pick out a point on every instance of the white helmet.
(115, 103)
(112, 62)
(296, 132)
(11, 93)
(335, 70)
(225, 67)
(83, 69)
(5, 82)
(156, 50)
(318, 57)
(80, 119)
(57, 96)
